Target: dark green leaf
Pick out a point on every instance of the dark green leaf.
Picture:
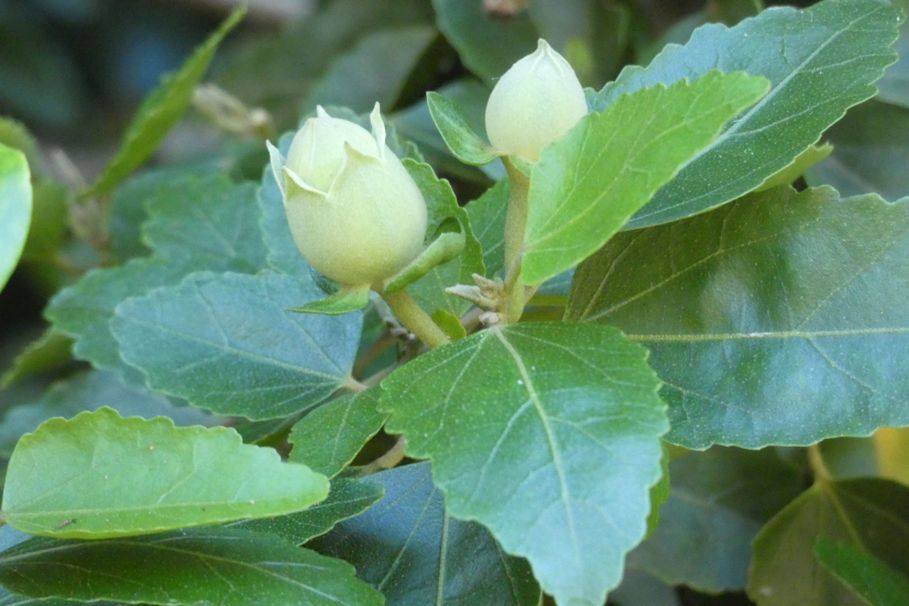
(719, 501)
(328, 438)
(88, 391)
(871, 151)
(512, 417)
(77, 478)
(488, 46)
(867, 515)
(228, 343)
(783, 297)
(277, 71)
(466, 145)
(379, 65)
(588, 184)
(867, 576)
(15, 209)
(195, 224)
(821, 61)
(347, 499)
(215, 565)
(161, 110)
(409, 548)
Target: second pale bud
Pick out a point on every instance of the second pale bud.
(534, 103)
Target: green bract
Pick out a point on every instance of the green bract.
(353, 209)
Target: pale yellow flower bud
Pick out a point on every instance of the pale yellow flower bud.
(534, 103)
(353, 209)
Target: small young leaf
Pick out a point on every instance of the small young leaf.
(588, 184)
(161, 110)
(512, 417)
(347, 498)
(345, 300)
(78, 478)
(874, 581)
(440, 251)
(868, 515)
(328, 438)
(15, 209)
(466, 145)
(46, 353)
(223, 566)
(798, 167)
(821, 61)
(227, 343)
(412, 550)
(784, 296)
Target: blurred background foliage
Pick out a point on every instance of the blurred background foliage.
(74, 72)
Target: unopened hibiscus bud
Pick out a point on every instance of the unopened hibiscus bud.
(534, 103)
(353, 209)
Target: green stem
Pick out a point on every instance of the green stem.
(515, 225)
(391, 458)
(415, 319)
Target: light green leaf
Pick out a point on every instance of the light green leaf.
(487, 217)
(161, 110)
(90, 390)
(821, 61)
(511, 418)
(866, 515)
(871, 151)
(228, 343)
(466, 145)
(588, 184)
(345, 300)
(718, 502)
(78, 478)
(782, 297)
(195, 224)
(443, 207)
(488, 46)
(15, 209)
(409, 548)
(213, 565)
(380, 63)
(347, 498)
(328, 438)
(14, 134)
(867, 576)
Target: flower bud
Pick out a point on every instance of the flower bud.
(534, 103)
(353, 209)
